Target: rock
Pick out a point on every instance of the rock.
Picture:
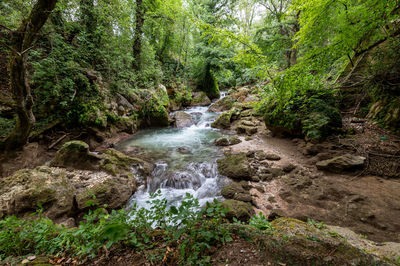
(275, 214)
(223, 121)
(240, 210)
(249, 130)
(288, 167)
(222, 105)
(346, 162)
(272, 157)
(247, 113)
(276, 172)
(229, 191)
(63, 193)
(311, 149)
(245, 197)
(235, 166)
(248, 138)
(236, 191)
(200, 99)
(76, 154)
(221, 142)
(234, 140)
(182, 120)
(255, 178)
(183, 150)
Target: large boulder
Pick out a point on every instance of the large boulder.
(346, 162)
(200, 99)
(222, 105)
(76, 154)
(63, 193)
(240, 210)
(235, 166)
(182, 120)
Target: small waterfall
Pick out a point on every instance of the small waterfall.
(186, 162)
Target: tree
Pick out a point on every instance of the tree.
(22, 40)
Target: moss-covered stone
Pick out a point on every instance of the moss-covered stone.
(223, 141)
(223, 104)
(223, 121)
(234, 140)
(75, 154)
(235, 166)
(240, 210)
(200, 99)
(234, 188)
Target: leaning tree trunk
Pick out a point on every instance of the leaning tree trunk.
(21, 42)
(137, 42)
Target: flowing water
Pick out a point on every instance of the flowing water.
(185, 160)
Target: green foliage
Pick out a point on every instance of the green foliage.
(260, 222)
(193, 230)
(319, 225)
(300, 104)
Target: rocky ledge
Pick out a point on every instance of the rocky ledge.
(65, 193)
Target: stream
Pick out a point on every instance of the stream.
(185, 160)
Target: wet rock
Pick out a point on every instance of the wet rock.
(276, 172)
(223, 121)
(200, 99)
(234, 140)
(346, 162)
(222, 105)
(76, 154)
(182, 120)
(221, 142)
(235, 166)
(240, 210)
(183, 150)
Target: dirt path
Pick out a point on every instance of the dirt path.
(369, 205)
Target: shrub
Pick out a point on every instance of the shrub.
(298, 103)
(189, 228)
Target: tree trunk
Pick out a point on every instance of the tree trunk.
(137, 42)
(21, 42)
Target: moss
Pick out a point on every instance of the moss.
(240, 210)
(235, 166)
(223, 121)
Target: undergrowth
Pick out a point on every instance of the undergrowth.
(189, 231)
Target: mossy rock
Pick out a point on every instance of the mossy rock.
(234, 140)
(223, 121)
(235, 166)
(26, 190)
(75, 154)
(200, 99)
(302, 243)
(115, 162)
(114, 192)
(240, 210)
(234, 188)
(222, 105)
